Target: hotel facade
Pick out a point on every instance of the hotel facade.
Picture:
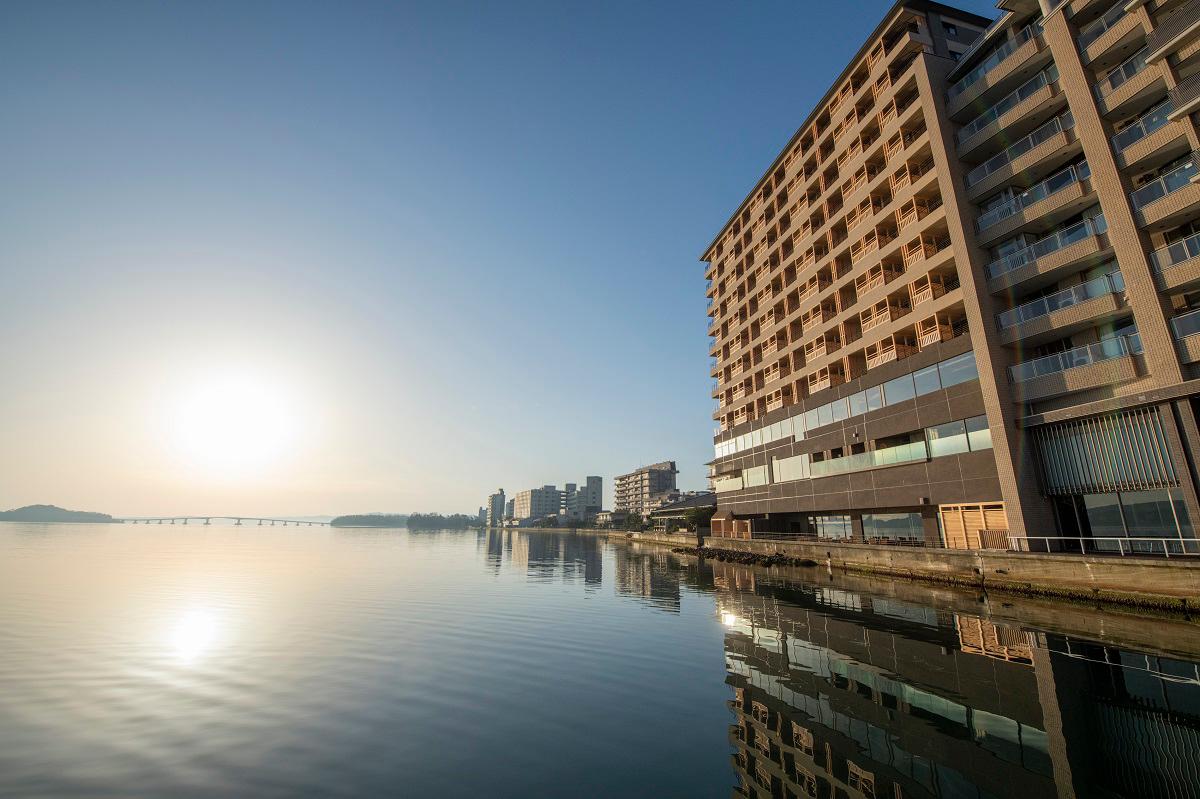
(962, 307)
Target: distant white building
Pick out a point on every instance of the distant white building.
(495, 509)
(585, 501)
(537, 503)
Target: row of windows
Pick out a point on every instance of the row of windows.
(952, 438)
(950, 372)
(903, 528)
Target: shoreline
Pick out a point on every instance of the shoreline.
(1087, 580)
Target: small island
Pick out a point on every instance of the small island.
(52, 514)
(370, 520)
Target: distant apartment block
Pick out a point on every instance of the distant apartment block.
(962, 307)
(495, 509)
(585, 501)
(644, 489)
(536, 503)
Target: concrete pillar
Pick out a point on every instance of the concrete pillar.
(1028, 512)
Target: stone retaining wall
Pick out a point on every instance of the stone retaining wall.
(1149, 581)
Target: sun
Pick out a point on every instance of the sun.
(234, 423)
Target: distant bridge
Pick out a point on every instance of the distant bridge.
(237, 520)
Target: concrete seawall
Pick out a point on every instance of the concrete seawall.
(1149, 582)
(666, 539)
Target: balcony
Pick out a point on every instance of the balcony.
(1178, 263)
(1186, 327)
(873, 278)
(1021, 155)
(926, 288)
(1173, 31)
(1023, 202)
(871, 243)
(822, 346)
(812, 288)
(821, 313)
(1021, 103)
(1185, 97)
(908, 174)
(875, 459)
(1002, 62)
(1149, 136)
(1063, 312)
(881, 313)
(892, 348)
(1132, 80)
(825, 378)
(1112, 29)
(915, 210)
(1066, 247)
(934, 330)
(1168, 198)
(927, 245)
(1105, 363)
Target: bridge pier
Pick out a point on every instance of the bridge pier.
(260, 522)
(206, 521)
(237, 523)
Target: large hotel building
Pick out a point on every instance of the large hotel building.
(960, 307)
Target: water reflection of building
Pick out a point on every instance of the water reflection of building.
(649, 573)
(548, 555)
(836, 694)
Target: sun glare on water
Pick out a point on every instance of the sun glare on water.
(192, 635)
(233, 425)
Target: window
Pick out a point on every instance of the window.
(1148, 514)
(927, 380)
(899, 389)
(858, 403)
(824, 415)
(901, 528)
(795, 468)
(951, 30)
(979, 435)
(810, 420)
(958, 369)
(1104, 515)
(839, 409)
(755, 476)
(837, 528)
(947, 439)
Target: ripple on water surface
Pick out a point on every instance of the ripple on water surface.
(258, 662)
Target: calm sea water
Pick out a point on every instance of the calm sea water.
(245, 662)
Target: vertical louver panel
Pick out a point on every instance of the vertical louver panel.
(1118, 452)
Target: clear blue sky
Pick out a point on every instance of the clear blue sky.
(461, 239)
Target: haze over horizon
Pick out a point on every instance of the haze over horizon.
(300, 259)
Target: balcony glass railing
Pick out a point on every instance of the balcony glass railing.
(1176, 252)
(1096, 28)
(1098, 287)
(1186, 324)
(1035, 193)
(1146, 124)
(1102, 350)
(992, 61)
(1007, 103)
(1043, 247)
(1173, 181)
(1118, 77)
(1020, 147)
(905, 453)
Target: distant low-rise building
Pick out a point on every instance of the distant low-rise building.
(644, 489)
(611, 518)
(681, 506)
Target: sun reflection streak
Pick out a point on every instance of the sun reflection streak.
(193, 635)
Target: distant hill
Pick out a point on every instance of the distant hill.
(53, 513)
(371, 520)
